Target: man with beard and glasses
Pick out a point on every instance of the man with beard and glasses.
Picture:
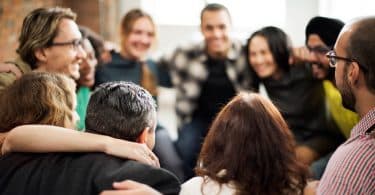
(351, 169)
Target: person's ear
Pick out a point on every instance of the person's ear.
(40, 55)
(353, 73)
(143, 136)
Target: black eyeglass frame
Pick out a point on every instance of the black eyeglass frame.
(75, 43)
(332, 58)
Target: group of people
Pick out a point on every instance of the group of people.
(256, 119)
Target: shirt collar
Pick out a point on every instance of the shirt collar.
(364, 124)
(234, 52)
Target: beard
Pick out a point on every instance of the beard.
(348, 98)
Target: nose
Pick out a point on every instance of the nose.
(146, 39)
(257, 59)
(217, 33)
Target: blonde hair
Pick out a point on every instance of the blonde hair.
(39, 28)
(38, 98)
(128, 21)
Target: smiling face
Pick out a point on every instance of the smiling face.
(261, 58)
(215, 28)
(139, 40)
(66, 58)
(88, 65)
(318, 50)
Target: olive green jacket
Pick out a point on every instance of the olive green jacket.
(7, 78)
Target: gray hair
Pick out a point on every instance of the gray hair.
(121, 110)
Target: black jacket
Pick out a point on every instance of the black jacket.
(76, 173)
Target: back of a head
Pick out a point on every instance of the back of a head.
(121, 110)
(252, 142)
(39, 28)
(38, 98)
(361, 46)
(327, 29)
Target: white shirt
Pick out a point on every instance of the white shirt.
(193, 186)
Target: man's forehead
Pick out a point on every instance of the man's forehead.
(209, 15)
(68, 29)
(315, 40)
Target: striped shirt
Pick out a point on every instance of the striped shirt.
(351, 169)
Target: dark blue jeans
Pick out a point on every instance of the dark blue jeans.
(189, 143)
(318, 167)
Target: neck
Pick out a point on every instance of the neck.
(217, 55)
(365, 101)
(126, 55)
(41, 68)
(278, 74)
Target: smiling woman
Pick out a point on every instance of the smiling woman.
(298, 95)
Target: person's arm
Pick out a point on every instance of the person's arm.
(300, 55)
(311, 188)
(46, 138)
(129, 187)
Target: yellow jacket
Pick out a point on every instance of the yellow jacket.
(344, 118)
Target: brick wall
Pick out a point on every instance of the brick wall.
(12, 13)
(99, 15)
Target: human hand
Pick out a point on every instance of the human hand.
(129, 187)
(306, 155)
(10, 68)
(311, 188)
(301, 54)
(132, 150)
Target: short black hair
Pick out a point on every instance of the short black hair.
(121, 110)
(327, 29)
(214, 7)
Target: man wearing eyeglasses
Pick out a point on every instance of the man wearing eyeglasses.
(351, 168)
(50, 41)
(321, 34)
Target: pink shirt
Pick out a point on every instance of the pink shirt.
(351, 169)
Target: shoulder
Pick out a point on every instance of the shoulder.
(191, 50)
(10, 71)
(6, 79)
(115, 169)
(354, 161)
(194, 186)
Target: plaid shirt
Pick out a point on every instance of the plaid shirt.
(351, 169)
(188, 70)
